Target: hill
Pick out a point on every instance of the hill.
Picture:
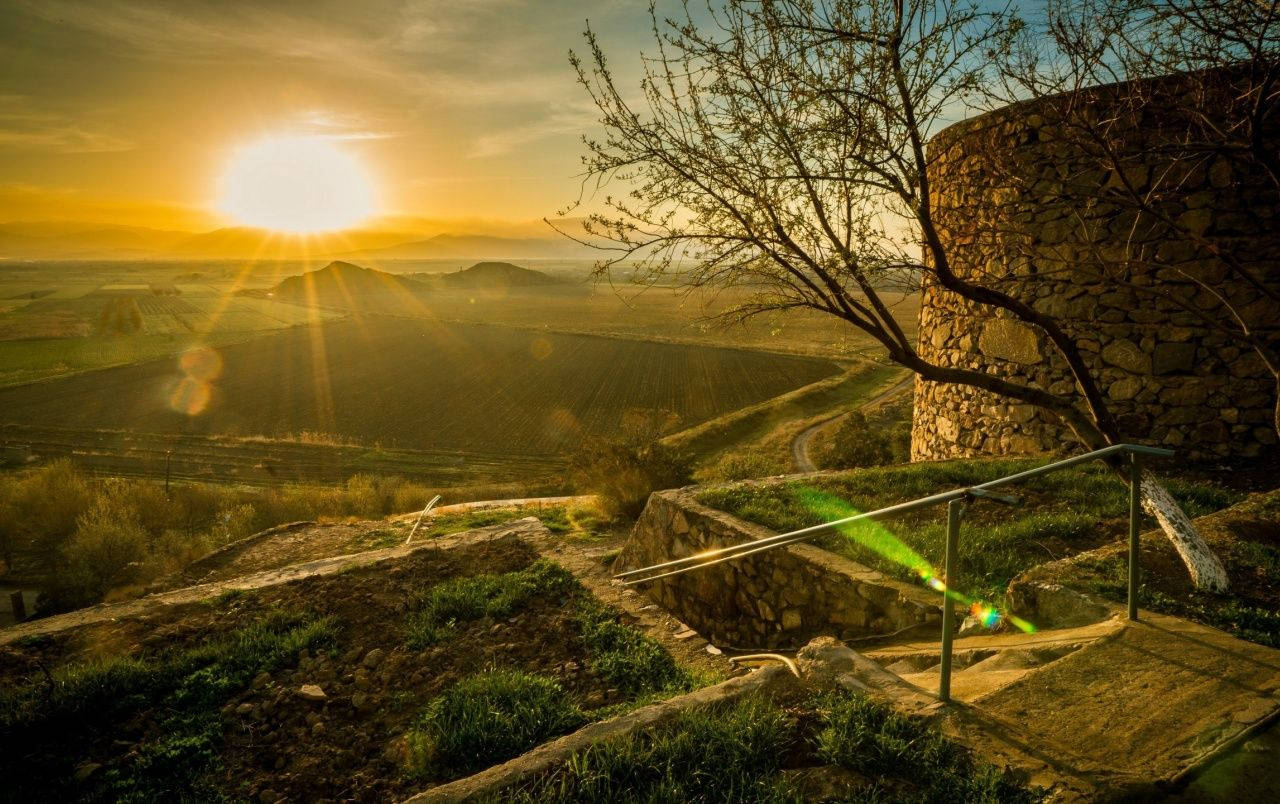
(342, 282)
(485, 275)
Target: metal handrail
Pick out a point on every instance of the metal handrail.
(954, 500)
(720, 555)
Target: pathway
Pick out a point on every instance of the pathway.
(800, 446)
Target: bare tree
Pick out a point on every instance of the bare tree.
(1219, 117)
(780, 146)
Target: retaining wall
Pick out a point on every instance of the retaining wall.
(780, 598)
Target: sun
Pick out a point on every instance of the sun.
(295, 184)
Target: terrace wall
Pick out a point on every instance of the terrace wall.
(779, 598)
(1021, 207)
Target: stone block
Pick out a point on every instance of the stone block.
(1173, 358)
(1010, 340)
(1125, 354)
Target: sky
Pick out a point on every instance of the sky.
(128, 111)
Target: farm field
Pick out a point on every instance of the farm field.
(67, 319)
(60, 318)
(416, 384)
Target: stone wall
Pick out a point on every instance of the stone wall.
(1025, 207)
(780, 598)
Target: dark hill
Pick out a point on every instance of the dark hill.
(495, 275)
(344, 282)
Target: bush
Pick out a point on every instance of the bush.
(487, 718)
(623, 474)
(742, 466)
(106, 550)
(860, 441)
(45, 505)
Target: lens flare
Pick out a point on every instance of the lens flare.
(191, 394)
(873, 536)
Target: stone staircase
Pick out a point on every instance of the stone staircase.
(1138, 707)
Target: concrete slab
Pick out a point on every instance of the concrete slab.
(1152, 702)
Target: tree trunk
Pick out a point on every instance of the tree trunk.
(1206, 570)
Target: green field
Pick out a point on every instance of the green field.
(416, 384)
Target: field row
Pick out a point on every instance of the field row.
(264, 462)
(418, 385)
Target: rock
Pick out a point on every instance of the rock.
(269, 796)
(244, 709)
(311, 692)
(1168, 358)
(361, 702)
(261, 680)
(1009, 340)
(374, 658)
(86, 770)
(971, 625)
(1126, 388)
(362, 680)
(791, 619)
(1126, 355)
(713, 650)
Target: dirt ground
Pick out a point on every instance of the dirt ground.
(345, 747)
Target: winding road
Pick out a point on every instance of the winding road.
(800, 446)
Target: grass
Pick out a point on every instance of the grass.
(1244, 538)
(73, 712)
(737, 752)
(867, 737)
(437, 610)
(735, 431)
(1062, 514)
(487, 718)
(628, 659)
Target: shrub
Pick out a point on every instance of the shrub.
(45, 505)
(860, 441)
(107, 550)
(489, 717)
(623, 474)
(742, 466)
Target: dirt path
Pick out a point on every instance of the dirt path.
(800, 446)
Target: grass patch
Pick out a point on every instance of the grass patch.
(739, 752)
(728, 754)
(632, 661)
(628, 659)
(868, 737)
(46, 724)
(437, 610)
(487, 718)
(1236, 617)
(1062, 514)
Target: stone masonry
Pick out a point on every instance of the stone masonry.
(1023, 208)
(778, 599)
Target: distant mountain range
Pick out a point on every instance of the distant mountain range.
(350, 285)
(64, 240)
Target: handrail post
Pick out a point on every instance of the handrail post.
(950, 571)
(1135, 494)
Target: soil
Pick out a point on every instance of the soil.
(278, 745)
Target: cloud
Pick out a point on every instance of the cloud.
(566, 119)
(23, 128)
